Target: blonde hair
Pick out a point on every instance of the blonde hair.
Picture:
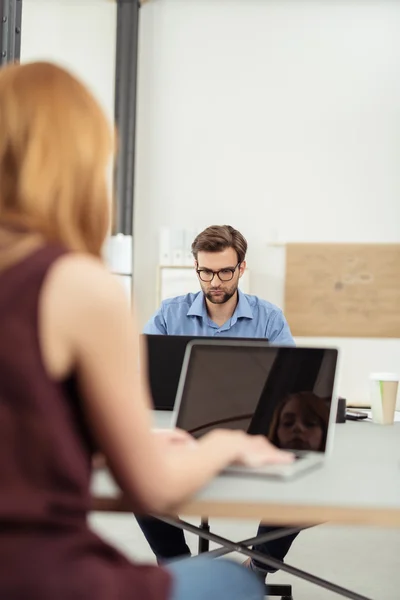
(55, 144)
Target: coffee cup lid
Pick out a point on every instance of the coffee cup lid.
(384, 376)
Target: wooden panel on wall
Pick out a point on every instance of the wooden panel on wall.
(343, 290)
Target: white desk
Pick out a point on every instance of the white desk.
(358, 485)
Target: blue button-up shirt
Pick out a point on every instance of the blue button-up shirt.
(253, 318)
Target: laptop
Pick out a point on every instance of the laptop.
(285, 393)
(165, 354)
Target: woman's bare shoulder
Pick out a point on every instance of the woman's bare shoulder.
(81, 303)
(81, 286)
(83, 275)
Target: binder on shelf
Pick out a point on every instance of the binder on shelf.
(177, 247)
(189, 236)
(165, 247)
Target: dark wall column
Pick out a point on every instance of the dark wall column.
(10, 30)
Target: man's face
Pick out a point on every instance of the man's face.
(217, 291)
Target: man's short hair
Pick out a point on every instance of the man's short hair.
(218, 238)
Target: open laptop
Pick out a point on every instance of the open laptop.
(284, 393)
(165, 354)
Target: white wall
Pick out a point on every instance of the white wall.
(281, 118)
(79, 35)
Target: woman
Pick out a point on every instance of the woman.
(300, 422)
(67, 382)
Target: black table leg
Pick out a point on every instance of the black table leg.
(204, 544)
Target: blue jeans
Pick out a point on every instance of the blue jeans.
(168, 542)
(207, 579)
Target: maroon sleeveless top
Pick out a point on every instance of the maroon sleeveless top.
(47, 551)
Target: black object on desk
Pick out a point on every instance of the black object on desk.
(341, 411)
(355, 415)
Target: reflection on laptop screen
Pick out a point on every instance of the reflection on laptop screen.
(282, 393)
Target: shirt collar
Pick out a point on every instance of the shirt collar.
(198, 308)
(242, 310)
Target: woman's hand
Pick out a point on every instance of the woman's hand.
(257, 450)
(252, 450)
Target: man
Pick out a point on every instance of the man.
(220, 309)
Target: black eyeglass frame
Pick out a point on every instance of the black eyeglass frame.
(214, 273)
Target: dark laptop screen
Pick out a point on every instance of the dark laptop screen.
(164, 359)
(282, 393)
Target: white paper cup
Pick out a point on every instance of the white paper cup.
(383, 390)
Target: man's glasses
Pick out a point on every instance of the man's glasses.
(207, 275)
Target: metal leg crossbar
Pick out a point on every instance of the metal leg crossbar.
(259, 539)
(241, 547)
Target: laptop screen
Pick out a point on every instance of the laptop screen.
(165, 354)
(282, 393)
